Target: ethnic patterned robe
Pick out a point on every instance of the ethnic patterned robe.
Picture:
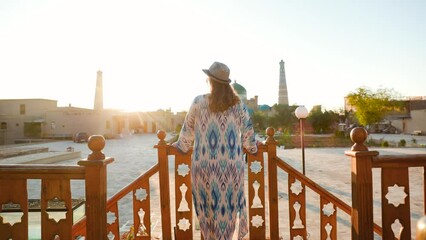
(218, 165)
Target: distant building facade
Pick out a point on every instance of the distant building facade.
(24, 119)
(411, 119)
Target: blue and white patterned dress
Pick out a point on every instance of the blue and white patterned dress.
(218, 165)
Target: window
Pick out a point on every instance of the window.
(3, 125)
(22, 109)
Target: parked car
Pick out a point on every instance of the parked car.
(390, 129)
(81, 137)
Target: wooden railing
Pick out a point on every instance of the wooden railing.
(297, 184)
(102, 217)
(394, 185)
(55, 190)
(259, 179)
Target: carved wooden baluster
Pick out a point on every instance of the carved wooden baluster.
(14, 191)
(256, 199)
(328, 215)
(142, 210)
(113, 220)
(297, 208)
(56, 192)
(183, 199)
(395, 202)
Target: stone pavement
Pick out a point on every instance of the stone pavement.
(328, 167)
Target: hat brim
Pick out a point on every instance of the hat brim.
(206, 71)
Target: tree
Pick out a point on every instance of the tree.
(283, 118)
(260, 121)
(322, 122)
(371, 107)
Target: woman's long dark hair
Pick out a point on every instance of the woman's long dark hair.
(222, 96)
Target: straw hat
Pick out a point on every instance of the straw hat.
(218, 72)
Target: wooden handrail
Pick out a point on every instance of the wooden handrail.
(399, 161)
(320, 190)
(314, 186)
(131, 186)
(40, 171)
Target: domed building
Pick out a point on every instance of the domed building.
(241, 91)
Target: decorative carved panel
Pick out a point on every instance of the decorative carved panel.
(184, 224)
(257, 221)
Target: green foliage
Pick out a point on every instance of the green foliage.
(340, 134)
(260, 121)
(285, 140)
(374, 142)
(385, 144)
(371, 107)
(322, 122)
(402, 143)
(283, 117)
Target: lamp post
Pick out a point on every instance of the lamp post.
(301, 113)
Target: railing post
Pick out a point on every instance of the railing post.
(272, 184)
(163, 162)
(96, 189)
(362, 186)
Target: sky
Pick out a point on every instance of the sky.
(152, 53)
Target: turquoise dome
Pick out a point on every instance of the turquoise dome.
(242, 92)
(264, 107)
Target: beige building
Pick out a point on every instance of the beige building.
(414, 121)
(65, 122)
(22, 120)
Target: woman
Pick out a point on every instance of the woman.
(218, 126)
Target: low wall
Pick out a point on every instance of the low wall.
(323, 140)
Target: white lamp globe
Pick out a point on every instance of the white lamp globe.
(301, 112)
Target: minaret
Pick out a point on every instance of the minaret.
(99, 98)
(282, 93)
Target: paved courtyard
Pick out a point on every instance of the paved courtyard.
(329, 167)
